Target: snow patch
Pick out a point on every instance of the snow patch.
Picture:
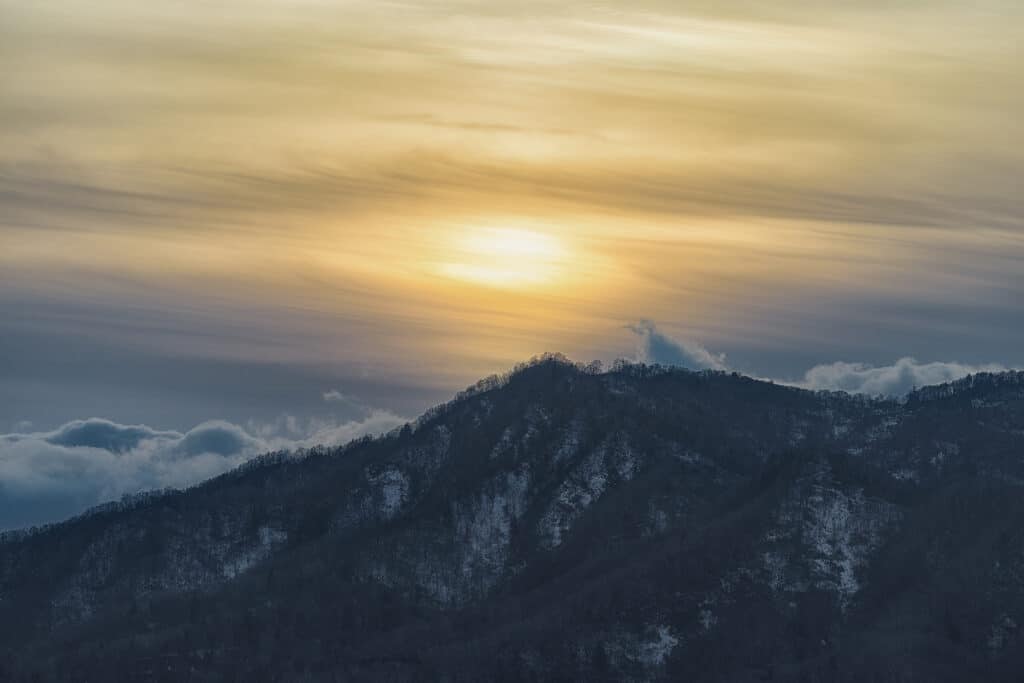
(483, 528)
(657, 648)
(267, 539)
(905, 474)
(707, 618)
(1002, 632)
(834, 530)
(504, 445)
(570, 444)
(392, 489)
(584, 485)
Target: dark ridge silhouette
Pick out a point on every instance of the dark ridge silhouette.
(564, 523)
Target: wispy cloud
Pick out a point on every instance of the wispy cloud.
(334, 396)
(655, 347)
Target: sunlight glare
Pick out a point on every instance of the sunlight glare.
(506, 257)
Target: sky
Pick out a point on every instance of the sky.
(280, 221)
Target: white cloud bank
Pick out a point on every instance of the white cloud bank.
(888, 380)
(48, 476)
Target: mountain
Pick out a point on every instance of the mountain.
(562, 523)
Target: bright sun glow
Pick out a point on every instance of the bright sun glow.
(506, 257)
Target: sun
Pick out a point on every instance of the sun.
(506, 257)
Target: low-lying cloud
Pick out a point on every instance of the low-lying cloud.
(894, 380)
(888, 380)
(110, 436)
(49, 476)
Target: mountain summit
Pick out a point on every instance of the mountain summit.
(563, 523)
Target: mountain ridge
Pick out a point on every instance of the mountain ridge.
(1010, 378)
(629, 524)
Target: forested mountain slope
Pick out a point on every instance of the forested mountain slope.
(563, 523)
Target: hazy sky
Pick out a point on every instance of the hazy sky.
(224, 209)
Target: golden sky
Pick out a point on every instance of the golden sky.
(437, 190)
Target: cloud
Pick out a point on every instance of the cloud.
(856, 378)
(657, 348)
(97, 433)
(378, 421)
(49, 476)
(334, 395)
(888, 380)
(221, 438)
(289, 431)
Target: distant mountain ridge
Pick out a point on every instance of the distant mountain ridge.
(561, 522)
